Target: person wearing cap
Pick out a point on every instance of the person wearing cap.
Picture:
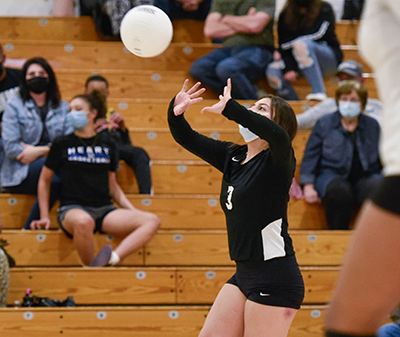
(347, 70)
(308, 47)
(341, 165)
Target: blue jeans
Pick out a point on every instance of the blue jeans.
(389, 330)
(320, 63)
(29, 186)
(242, 64)
(175, 11)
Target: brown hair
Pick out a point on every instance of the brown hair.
(346, 87)
(96, 100)
(295, 20)
(283, 114)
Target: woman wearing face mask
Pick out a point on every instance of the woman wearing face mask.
(86, 162)
(341, 164)
(30, 124)
(266, 291)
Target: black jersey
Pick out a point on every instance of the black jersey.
(83, 165)
(254, 195)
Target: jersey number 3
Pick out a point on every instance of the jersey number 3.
(228, 203)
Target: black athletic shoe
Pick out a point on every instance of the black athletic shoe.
(102, 258)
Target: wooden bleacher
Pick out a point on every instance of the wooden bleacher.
(147, 285)
(203, 211)
(166, 288)
(186, 247)
(83, 29)
(48, 28)
(138, 321)
(112, 55)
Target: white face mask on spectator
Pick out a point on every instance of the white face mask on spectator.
(349, 109)
(247, 135)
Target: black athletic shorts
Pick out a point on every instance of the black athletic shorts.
(388, 194)
(276, 282)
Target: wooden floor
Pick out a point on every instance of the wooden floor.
(166, 288)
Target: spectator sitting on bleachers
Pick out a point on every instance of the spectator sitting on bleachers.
(248, 43)
(352, 9)
(136, 157)
(9, 88)
(65, 8)
(341, 164)
(185, 9)
(347, 70)
(87, 162)
(30, 124)
(308, 47)
(39, 8)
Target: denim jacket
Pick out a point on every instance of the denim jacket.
(329, 151)
(22, 123)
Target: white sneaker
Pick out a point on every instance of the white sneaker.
(316, 97)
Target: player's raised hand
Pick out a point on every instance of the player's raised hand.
(185, 98)
(223, 99)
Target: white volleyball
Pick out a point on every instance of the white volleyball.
(146, 31)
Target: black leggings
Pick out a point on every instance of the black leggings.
(139, 161)
(342, 198)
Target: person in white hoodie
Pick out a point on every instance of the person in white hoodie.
(368, 285)
(347, 70)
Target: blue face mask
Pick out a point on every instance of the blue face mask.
(349, 109)
(77, 119)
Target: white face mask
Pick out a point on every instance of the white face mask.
(349, 109)
(247, 135)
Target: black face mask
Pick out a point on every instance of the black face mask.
(303, 3)
(1, 69)
(37, 85)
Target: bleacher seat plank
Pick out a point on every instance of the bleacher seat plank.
(211, 248)
(177, 248)
(201, 285)
(142, 84)
(83, 28)
(107, 55)
(148, 84)
(151, 115)
(181, 178)
(178, 177)
(138, 321)
(319, 248)
(146, 285)
(15, 209)
(103, 321)
(347, 31)
(197, 211)
(48, 28)
(309, 322)
(53, 248)
(96, 286)
(204, 212)
(188, 30)
(161, 146)
(171, 248)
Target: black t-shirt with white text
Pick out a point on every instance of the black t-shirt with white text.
(83, 165)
